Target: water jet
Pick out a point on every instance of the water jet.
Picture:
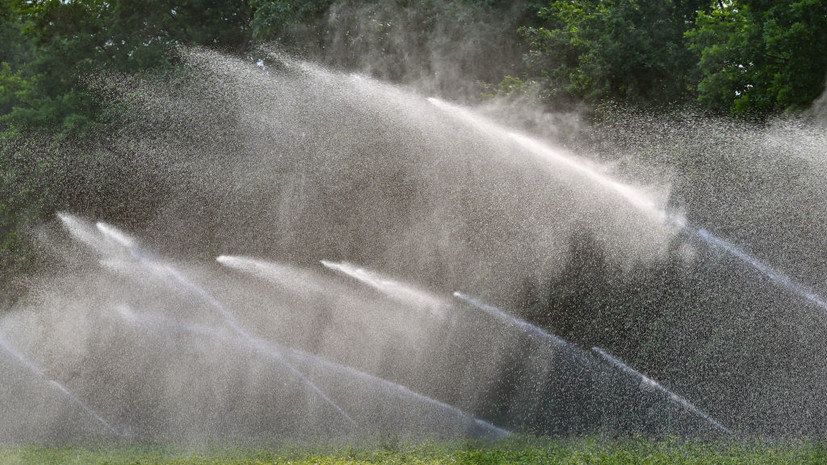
(328, 370)
(396, 290)
(649, 383)
(169, 275)
(10, 349)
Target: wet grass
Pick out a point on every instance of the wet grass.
(512, 451)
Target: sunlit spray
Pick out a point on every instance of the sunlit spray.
(10, 349)
(774, 275)
(513, 321)
(649, 383)
(289, 277)
(396, 290)
(632, 195)
(557, 157)
(157, 323)
(170, 276)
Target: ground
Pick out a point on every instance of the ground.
(520, 450)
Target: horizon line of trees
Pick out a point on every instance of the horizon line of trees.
(748, 58)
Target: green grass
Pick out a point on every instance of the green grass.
(513, 451)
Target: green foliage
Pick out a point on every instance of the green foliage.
(65, 37)
(761, 57)
(61, 43)
(15, 50)
(745, 57)
(13, 86)
(273, 19)
(597, 50)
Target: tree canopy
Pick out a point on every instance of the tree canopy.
(760, 57)
(744, 57)
(53, 45)
(750, 58)
(631, 51)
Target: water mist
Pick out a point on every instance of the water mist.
(344, 213)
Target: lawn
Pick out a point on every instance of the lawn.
(520, 450)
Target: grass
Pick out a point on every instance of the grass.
(516, 451)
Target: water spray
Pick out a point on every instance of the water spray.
(278, 352)
(165, 270)
(522, 325)
(546, 153)
(294, 279)
(167, 273)
(7, 346)
(654, 385)
(774, 275)
(170, 277)
(632, 195)
(396, 290)
(644, 380)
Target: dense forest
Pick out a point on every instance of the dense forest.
(746, 58)
(719, 93)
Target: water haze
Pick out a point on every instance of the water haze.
(287, 260)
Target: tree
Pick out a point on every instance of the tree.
(69, 40)
(14, 48)
(760, 57)
(620, 50)
(273, 19)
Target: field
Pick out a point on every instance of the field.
(393, 451)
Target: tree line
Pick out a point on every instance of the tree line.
(752, 58)
(747, 57)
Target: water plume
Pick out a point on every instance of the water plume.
(85, 407)
(633, 196)
(7, 346)
(290, 162)
(168, 274)
(160, 323)
(774, 275)
(573, 375)
(649, 383)
(510, 320)
(114, 234)
(396, 290)
(297, 280)
(120, 252)
(559, 157)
